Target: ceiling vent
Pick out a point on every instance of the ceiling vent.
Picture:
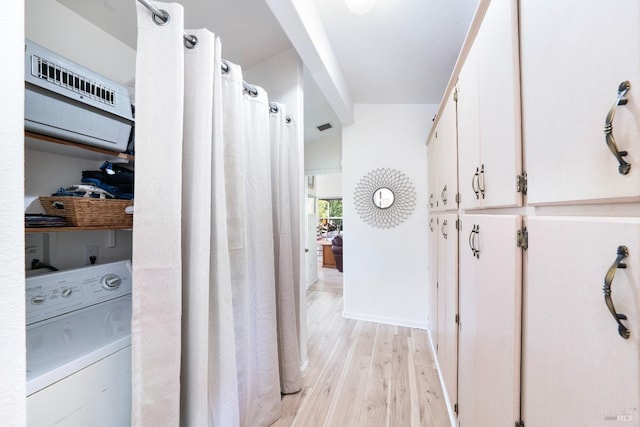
(324, 127)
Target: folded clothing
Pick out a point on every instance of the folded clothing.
(114, 179)
(84, 190)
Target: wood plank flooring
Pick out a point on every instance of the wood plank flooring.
(362, 373)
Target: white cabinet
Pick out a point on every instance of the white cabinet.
(578, 370)
(443, 277)
(443, 161)
(448, 302)
(432, 315)
(574, 55)
(489, 140)
(490, 321)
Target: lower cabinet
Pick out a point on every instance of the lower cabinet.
(490, 321)
(579, 368)
(448, 302)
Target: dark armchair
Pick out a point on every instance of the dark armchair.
(336, 248)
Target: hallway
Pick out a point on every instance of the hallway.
(362, 373)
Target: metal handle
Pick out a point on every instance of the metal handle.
(443, 195)
(443, 228)
(431, 224)
(623, 166)
(431, 200)
(481, 181)
(622, 253)
(472, 240)
(476, 178)
(476, 235)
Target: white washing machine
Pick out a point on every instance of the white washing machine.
(79, 347)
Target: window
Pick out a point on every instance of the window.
(329, 217)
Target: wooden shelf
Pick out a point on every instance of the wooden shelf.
(64, 147)
(70, 229)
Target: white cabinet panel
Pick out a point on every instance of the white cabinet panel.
(432, 316)
(448, 305)
(447, 157)
(469, 131)
(574, 55)
(432, 173)
(490, 147)
(443, 161)
(577, 369)
(490, 321)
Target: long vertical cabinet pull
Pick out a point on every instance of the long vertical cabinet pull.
(475, 183)
(622, 253)
(623, 166)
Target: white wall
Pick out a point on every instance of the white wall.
(57, 28)
(12, 338)
(323, 156)
(385, 270)
(329, 186)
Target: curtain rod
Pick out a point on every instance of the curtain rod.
(161, 17)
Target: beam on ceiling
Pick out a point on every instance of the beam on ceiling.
(301, 23)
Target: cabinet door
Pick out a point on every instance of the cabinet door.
(489, 140)
(468, 132)
(574, 55)
(499, 112)
(448, 306)
(432, 316)
(490, 321)
(447, 157)
(577, 369)
(432, 173)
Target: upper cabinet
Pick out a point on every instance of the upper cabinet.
(489, 134)
(443, 162)
(581, 109)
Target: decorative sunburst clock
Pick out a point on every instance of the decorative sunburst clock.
(384, 198)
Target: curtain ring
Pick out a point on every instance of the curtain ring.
(190, 41)
(161, 20)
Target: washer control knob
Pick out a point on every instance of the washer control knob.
(38, 299)
(66, 292)
(111, 282)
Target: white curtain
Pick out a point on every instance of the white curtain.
(214, 327)
(285, 195)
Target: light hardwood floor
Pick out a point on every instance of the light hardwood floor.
(362, 373)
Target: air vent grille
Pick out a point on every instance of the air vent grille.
(59, 76)
(324, 127)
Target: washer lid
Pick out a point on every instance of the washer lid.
(58, 347)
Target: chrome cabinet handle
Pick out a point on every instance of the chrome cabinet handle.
(431, 200)
(443, 195)
(443, 228)
(623, 166)
(474, 180)
(472, 240)
(431, 224)
(481, 181)
(622, 253)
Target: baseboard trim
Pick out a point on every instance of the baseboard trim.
(452, 415)
(386, 320)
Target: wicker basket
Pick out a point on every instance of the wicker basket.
(88, 212)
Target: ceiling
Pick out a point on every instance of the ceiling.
(403, 51)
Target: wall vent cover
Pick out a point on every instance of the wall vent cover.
(324, 127)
